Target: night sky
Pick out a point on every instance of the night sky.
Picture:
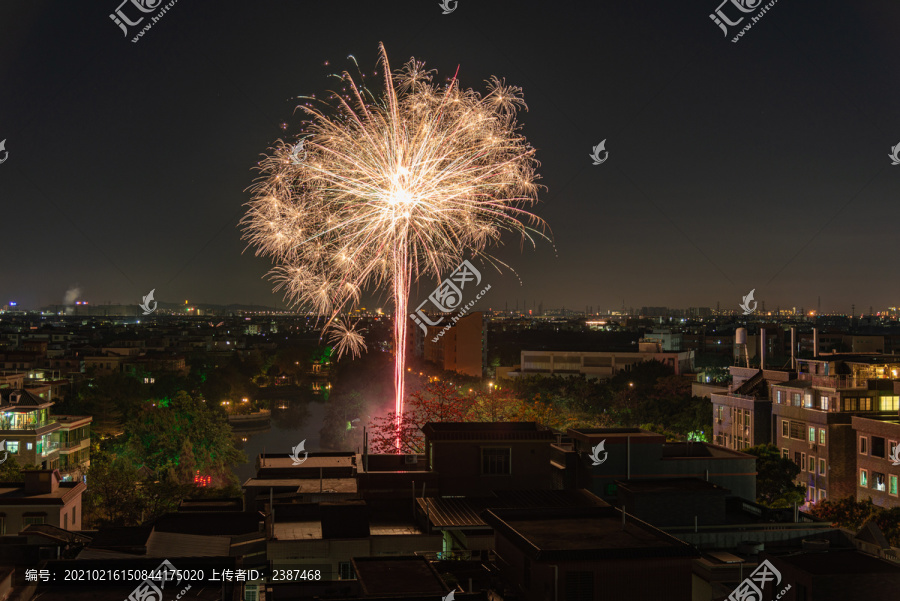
(758, 164)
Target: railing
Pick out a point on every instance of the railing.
(840, 381)
(65, 446)
(49, 448)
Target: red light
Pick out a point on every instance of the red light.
(202, 480)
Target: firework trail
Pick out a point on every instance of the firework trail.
(390, 189)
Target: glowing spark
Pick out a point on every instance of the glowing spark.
(392, 189)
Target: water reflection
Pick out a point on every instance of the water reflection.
(294, 415)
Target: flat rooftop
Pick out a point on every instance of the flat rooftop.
(312, 530)
(398, 575)
(487, 431)
(312, 461)
(583, 534)
(306, 485)
(830, 563)
(670, 485)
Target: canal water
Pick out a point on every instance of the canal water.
(295, 417)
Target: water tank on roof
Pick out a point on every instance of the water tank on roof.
(740, 336)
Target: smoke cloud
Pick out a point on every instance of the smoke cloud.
(72, 295)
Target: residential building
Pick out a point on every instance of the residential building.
(812, 417)
(462, 348)
(26, 428)
(477, 458)
(629, 454)
(584, 554)
(42, 499)
(877, 474)
(74, 437)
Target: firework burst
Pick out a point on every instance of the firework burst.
(391, 189)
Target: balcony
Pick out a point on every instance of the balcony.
(69, 445)
(49, 448)
(841, 381)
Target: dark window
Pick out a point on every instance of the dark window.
(878, 446)
(579, 586)
(495, 461)
(798, 430)
(345, 569)
(785, 431)
(797, 458)
(801, 593)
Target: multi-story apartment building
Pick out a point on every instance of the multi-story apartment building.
(877, 472)
(742, 417)
(74, 444)
(26, 428)
(812, 417)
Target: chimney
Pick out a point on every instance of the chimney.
(762, 348)
(793, 348)
(41, 482)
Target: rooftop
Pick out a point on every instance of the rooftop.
(466, 512)
(584, 533)
(398, 575)
(670, 485)
(841, 562)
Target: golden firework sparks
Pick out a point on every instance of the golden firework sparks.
(391, 189)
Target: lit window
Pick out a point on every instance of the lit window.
(821, 436)
(821, 467)
(864, 478)
(812, 434)
(863, 445)
(878, 481)
(28, 446)
(778, 396)
(824, 403)
(893, 490)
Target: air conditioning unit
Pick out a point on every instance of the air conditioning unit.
(813, 446)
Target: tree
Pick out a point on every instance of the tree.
(11, 471)
(182, 438)
(112, 497)
(775, 478)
